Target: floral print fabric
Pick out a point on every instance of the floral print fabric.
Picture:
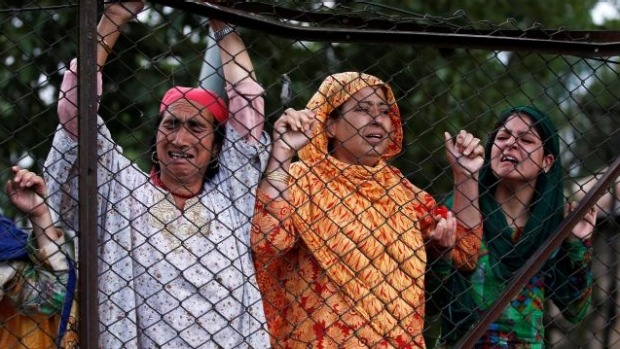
(170, 278)
(342, 264)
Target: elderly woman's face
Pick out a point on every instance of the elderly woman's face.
(185, 138)
(518, 152)
(362, 134)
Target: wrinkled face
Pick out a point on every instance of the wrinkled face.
(517, 152)
(185, 146)
(362, 133)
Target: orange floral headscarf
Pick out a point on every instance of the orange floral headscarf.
(333, 92)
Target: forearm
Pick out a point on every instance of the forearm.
(108, 31)
(235, 57)
(247, 109)
(272, 232)
(469, 230)
(44, 231)
(276, 181)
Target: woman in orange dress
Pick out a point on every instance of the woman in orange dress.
(340, 237)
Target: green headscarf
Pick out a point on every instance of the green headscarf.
(506, 257)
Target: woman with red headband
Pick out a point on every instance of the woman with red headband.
(175, 268)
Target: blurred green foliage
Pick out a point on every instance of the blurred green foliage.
(438, 89)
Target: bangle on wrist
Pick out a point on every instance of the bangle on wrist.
(220, 34)
(278, 176)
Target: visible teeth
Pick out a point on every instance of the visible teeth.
(179, 155)
(509, 158)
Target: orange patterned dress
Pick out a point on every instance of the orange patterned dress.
(341, 265)
(34, 331)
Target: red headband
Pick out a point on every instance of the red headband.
(205, 98)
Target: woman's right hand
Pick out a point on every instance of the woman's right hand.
(27, 191)
(293, 130)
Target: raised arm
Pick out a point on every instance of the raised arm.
(108, 31)
(245, 95)
(272, 233)
(466, 157)
(234, 55)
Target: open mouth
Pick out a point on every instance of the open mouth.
(179, 155)
(510, 159)
(374, 137)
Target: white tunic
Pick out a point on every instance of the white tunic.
(170, 279)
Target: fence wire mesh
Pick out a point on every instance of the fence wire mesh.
(186, 278)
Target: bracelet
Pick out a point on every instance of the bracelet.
(104, 44)
(220, 34)
(278, 176)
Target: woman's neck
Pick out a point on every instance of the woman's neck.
(515, 199)
(180, 191)
(183, 190)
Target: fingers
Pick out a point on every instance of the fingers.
(298, 120)
(24, 180)
(585, 226)
(445, 231)
(467, 143)
(463, 143)
(589, 216)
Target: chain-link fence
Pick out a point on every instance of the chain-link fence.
(152, 274)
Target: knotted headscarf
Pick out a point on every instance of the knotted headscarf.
(205, 98)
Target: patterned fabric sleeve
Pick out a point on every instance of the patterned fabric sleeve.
(571, 281)
(271, 236)
(465, 253)
(272, 229)
(467, 250)
(40, 285)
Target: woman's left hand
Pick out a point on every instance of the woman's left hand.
(443, 237)
(465, 153)
(585, 227)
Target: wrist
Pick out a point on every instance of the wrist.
(282, 151)
(223, 32)
(463, 175)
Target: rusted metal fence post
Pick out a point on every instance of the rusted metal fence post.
(87, 104)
